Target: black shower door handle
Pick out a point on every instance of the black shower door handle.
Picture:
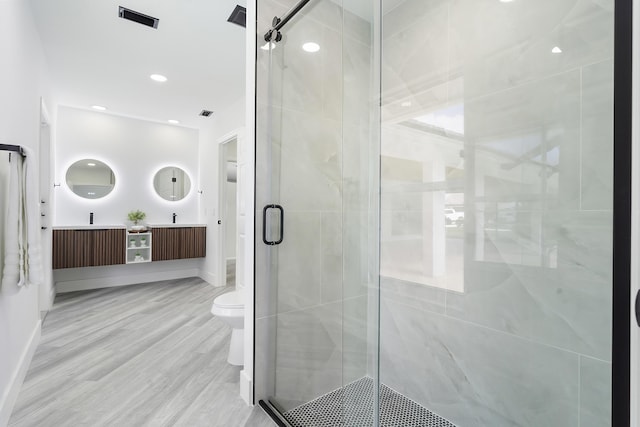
(264, 225)
(638, 308)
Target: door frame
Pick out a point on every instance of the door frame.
(623, 222)
(222, 194)
(46, 290)
(635, 226)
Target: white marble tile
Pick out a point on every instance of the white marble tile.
(308, 354)
(596, 184)
(415, 58)
(354, 342)
(504, 45)
(425, 298)
(332, 261)
(407, 13)
(357, 27)
(355, 264)
(565, 308)
(299, 267)
(595, 393)
(357, 97)
(475, 376)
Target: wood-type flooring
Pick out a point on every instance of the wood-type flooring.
(143, 355)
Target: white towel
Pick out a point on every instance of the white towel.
(13, 245)
(22, 263)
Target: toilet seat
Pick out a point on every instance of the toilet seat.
(233, 299)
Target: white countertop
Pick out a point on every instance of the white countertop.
(90, 227)
(175, 225)
(121, 226)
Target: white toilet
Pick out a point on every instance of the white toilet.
(229, 308)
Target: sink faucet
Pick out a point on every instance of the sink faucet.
(90, 218)
(174, 218)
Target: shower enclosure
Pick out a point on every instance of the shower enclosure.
(434, 212)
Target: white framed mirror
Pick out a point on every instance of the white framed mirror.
(172, 183)
(90, 178)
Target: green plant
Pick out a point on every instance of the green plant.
(136, 216)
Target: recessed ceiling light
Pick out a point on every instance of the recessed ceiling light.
(158, 78)
(91, 164)
(311, 47)
(173, 122)
(98, 107)
(406, 104)
(506, 1)
(266, 46)
(556, 50)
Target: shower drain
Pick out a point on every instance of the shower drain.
(352, 406)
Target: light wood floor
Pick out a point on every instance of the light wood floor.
(143, 355)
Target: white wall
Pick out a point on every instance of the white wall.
(223, 123)
(23, 80)
(135, 150)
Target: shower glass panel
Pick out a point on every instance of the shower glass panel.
(316, 300)
(496, 210)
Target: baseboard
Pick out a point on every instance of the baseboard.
(52, 296)
(109, 282)
(246, 388)
(208, 277)
(15, 384)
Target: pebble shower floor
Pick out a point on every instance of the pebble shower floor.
(352, 406)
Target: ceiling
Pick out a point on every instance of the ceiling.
(97, 58)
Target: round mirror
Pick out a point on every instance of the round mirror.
(172, 183)
(90, 178)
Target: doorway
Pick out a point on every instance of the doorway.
(228, 210)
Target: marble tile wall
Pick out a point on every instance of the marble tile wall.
(526, 341)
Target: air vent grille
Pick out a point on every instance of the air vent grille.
(238, 16)
(206, 113)
(140, 18)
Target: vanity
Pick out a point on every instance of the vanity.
(101, 245)
(95, 245)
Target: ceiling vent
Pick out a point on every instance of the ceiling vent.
(206, 113)
(238, 16)
(140, 18)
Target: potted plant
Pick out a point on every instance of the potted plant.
(143, 242)
(135, 217)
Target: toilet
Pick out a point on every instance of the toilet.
(229, 308)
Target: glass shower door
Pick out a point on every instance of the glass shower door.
(497, 214)
(314, 359)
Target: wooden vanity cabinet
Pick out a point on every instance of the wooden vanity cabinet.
(178, 243)
(91, 248)
(88, 248)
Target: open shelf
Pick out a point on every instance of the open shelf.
(138, 249)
